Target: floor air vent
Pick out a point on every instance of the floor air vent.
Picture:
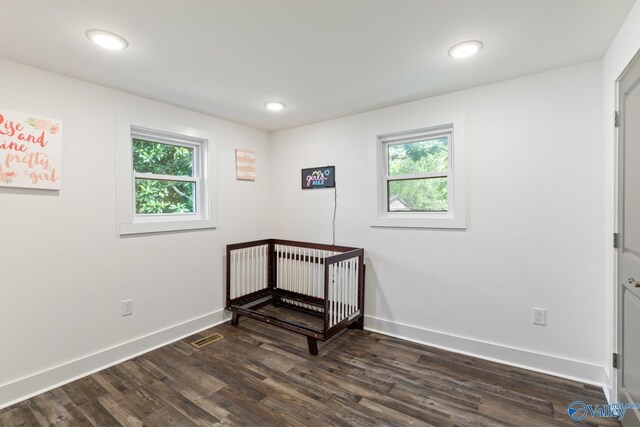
(206, 340)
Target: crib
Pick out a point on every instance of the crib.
(313, 289)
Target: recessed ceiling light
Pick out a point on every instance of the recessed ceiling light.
(274, 106)
(465, 49)
(107, 40)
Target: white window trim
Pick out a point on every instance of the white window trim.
(377, 191)
(205, 216)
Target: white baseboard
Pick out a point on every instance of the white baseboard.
(544, 363)
(32, 385)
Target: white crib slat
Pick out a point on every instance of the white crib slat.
(287, 260)
(296, 264)
(279, 267)
(264, 267)
(240, 261)
(338, 280)
(258, 267)
(250, 268)
(247, 271)
(330, 296)
(337, 294)
(238, 278)
(314, 273)
(305, 271)
(245, 278)
(292, 268)
(345, 284)
(284, 269)
(301, 270)
(256, 263)
(334, 294)
(347, 287)
(310, 271)
(232, 290)
(340, 297)
(319, 279)
(290, 260)
(351, 271)
(280, 272)
(354, 287)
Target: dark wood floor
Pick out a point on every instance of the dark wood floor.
(261, 375)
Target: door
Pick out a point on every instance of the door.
(629, 244)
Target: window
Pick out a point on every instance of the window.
(416, 173)
(419, 178)
(166, 177)
(164, 182)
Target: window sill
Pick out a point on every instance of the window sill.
(141, 227)
(413, 220)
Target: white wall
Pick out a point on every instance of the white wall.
(622, 50)
(535, 223)
(537, 233)
(63, 267)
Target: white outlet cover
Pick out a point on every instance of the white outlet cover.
(539, 316)
(127, 307)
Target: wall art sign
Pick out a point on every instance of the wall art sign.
(245, 165)
(320, 177)
(30, 151)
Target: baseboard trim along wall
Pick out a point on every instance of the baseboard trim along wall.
(543, 363)
(32, 385)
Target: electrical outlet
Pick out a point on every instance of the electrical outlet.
(127, 307)
(539, 316)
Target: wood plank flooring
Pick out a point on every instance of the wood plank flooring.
(261, 375)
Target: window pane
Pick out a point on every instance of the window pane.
(427, 156)
(162, 159)
(418, 195)
(168, 197)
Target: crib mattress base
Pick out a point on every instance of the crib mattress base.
(305, 320)
(273, 308)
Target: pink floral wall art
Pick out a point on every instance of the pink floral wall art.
(245, 165)
(30, 151)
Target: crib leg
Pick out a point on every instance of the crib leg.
(234, 319)
(358, 324)
(313, 346)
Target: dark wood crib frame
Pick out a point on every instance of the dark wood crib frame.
(336, 309)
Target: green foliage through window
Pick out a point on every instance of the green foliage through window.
(419, 157)
(414, 192)
(163, 196)
(162, 159)
(418, 195)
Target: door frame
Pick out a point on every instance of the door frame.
(617, 217)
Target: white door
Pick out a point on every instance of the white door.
(629, 241)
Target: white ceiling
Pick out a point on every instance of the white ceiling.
(323, 58)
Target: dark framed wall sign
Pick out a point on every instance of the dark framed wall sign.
(319, 177)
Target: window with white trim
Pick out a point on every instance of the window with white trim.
(416, 171)
(164, 181)
(419, 178)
